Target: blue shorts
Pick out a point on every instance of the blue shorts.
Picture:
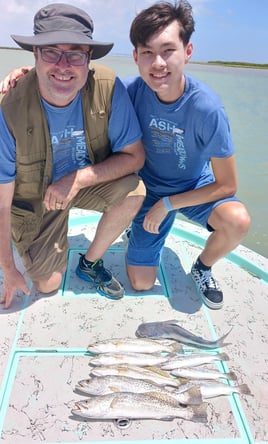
(145, 249)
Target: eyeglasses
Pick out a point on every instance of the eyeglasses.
(74, 58)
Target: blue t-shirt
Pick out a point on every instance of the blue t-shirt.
(180, 138)
(67, 135)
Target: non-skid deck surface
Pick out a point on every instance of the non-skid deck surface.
(44, 339)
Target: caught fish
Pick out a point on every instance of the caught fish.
(104, 385)
(150, 374)
(213, 389)
(135, 345)
(193, 360)
(141, 359)
(171, 330)
(195, 373)
(138, 406)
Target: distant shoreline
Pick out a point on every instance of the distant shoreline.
(210, 62)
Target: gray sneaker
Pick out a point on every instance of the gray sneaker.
(106, 284)
(208, 287)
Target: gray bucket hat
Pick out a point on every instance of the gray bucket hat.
(60, 23)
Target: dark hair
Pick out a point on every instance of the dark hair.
(151, 20)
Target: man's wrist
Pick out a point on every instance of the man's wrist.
(167, 203)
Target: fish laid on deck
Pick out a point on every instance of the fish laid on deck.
(150, 374)
(172, 330)
(213, 389)
(141, 359)
(138, 406)
(192, 360)
(136, 345)
(199, 374)
(103, 385)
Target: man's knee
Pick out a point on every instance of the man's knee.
(141, 278)
(49, 285)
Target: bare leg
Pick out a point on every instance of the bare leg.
(112, 224)
(141, 278)
(230, 221)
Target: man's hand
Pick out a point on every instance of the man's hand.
(60, 193)
(10, 80)
(155, 217)
(11, 284)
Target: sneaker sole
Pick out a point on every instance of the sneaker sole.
(100, 289)
(207, 302)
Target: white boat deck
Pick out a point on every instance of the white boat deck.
(43, 344)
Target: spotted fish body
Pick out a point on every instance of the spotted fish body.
(137, 406)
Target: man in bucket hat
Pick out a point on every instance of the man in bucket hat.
(69, 137)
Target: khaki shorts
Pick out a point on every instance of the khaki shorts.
(48, 252)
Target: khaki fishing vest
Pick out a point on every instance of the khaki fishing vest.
(27, 123)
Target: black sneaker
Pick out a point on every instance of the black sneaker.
(105, 282)
(207, 287)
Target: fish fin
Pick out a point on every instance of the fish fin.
(244, 390)
(114, 389)
(176, 347)
(220, 341)
(171, 355)
(200, 413)
(232, 376)
(224, 357)
(171, 321)
(194, 396)
(157, 370)
(114, 402)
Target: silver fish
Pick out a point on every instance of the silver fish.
(136, 345)
(192, 360)
(138, 406)
(104, 385)
(213, 389)
(196, 373)
(171, 330)
(152, 374)
(142, 359)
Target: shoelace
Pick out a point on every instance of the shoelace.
(208, 280)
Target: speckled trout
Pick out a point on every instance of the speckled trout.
(141, 359)
(172, 330)
(213, 389)
(151, 374)
(103, 385)
(201, 373)
(136, 345)
(137, 406)
(192, 360)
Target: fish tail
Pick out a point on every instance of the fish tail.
(176, 347)
(224, 357)
(244, 390)
(193, 396)
(200, 413)
(221, 342)
(232, 376)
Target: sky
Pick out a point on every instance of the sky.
(226, 30)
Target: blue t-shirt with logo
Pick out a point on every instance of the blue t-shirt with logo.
(67, 135)
(181, 137)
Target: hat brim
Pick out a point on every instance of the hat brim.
(100, 49)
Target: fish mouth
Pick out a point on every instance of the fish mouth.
(77, 407)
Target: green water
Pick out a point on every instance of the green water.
(244, 93)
